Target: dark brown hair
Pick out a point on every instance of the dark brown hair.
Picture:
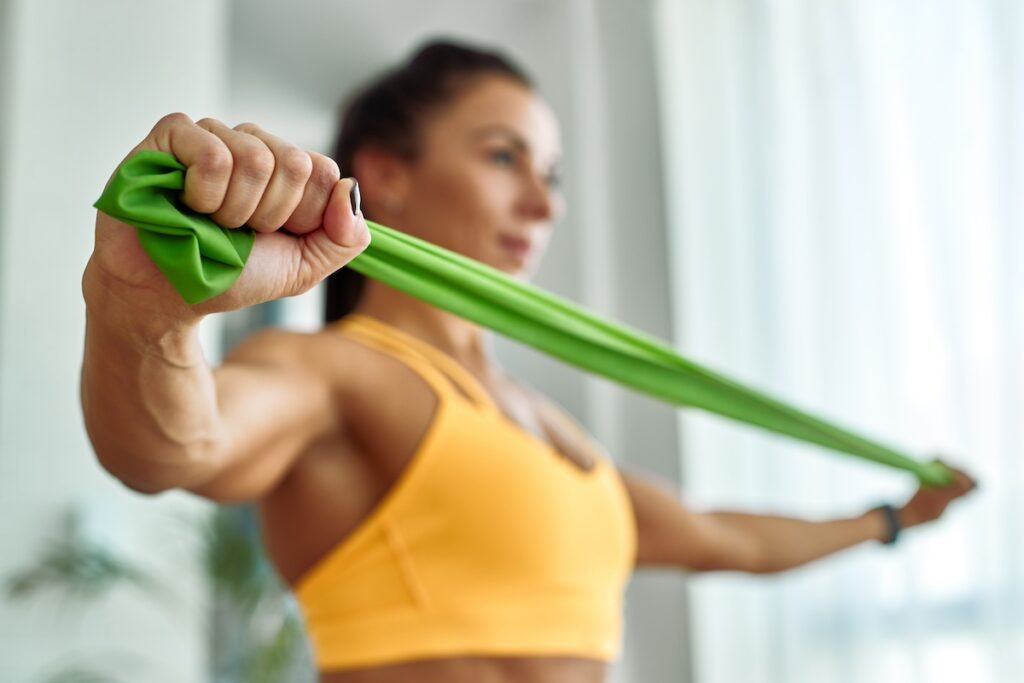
(388, 113)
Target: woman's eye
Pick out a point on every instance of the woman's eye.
(503, 157)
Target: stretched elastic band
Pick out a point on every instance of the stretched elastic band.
(193, 252)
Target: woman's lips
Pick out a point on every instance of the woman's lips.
(519, 248)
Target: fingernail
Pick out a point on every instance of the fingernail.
(353, 196)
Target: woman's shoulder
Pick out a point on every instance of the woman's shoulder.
(325, 353)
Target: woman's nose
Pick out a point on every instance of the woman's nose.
(541, 201)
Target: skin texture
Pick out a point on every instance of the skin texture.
(316, 428)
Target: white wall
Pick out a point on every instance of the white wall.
(82, 83)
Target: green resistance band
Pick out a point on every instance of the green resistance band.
(202, 259)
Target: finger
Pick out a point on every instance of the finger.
(309, 214)
(962, 478)
(252, 168)
(292, 168)
(345, 228)
(206, 157)
(344, 236)
(960, 481)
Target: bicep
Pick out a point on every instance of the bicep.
(271, 410)
(669, 534)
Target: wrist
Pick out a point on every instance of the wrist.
(889, 524)
(146, 322)
(118, 326)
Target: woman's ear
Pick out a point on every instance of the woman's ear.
(383, 181)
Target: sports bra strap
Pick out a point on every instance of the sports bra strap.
(438, 369)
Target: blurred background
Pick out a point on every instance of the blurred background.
(822, 199)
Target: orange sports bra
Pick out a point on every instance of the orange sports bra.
(489, 544)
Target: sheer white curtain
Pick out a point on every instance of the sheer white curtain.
(846, 189)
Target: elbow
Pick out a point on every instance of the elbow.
(731, 562)
(760, 561)
(754, 558)
(764, 562)
(139, 482)
(155, 472)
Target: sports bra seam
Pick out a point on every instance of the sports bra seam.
(379, 516)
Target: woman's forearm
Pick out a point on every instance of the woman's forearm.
(784, 543)
(148, 395)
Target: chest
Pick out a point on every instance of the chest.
(390, 422)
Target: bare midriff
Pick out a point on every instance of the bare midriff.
(478, 670)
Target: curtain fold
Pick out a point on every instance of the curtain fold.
(845, 195)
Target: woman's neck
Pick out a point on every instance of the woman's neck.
(467, 342)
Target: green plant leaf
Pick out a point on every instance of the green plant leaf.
(77, 569)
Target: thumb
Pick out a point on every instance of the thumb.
(341, 237)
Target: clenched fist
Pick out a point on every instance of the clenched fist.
(930, 502)
(294, 199)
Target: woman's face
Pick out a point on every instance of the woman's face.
(485, 183)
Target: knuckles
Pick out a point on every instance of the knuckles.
(208, 123)
(248, 127)
(296, 165)
(325, 173)
(249, 157)
(173, 120)
(215, 160)
(255, 160)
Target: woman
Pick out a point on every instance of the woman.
(437, 520)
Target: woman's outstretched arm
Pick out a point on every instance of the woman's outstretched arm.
(672, 535)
